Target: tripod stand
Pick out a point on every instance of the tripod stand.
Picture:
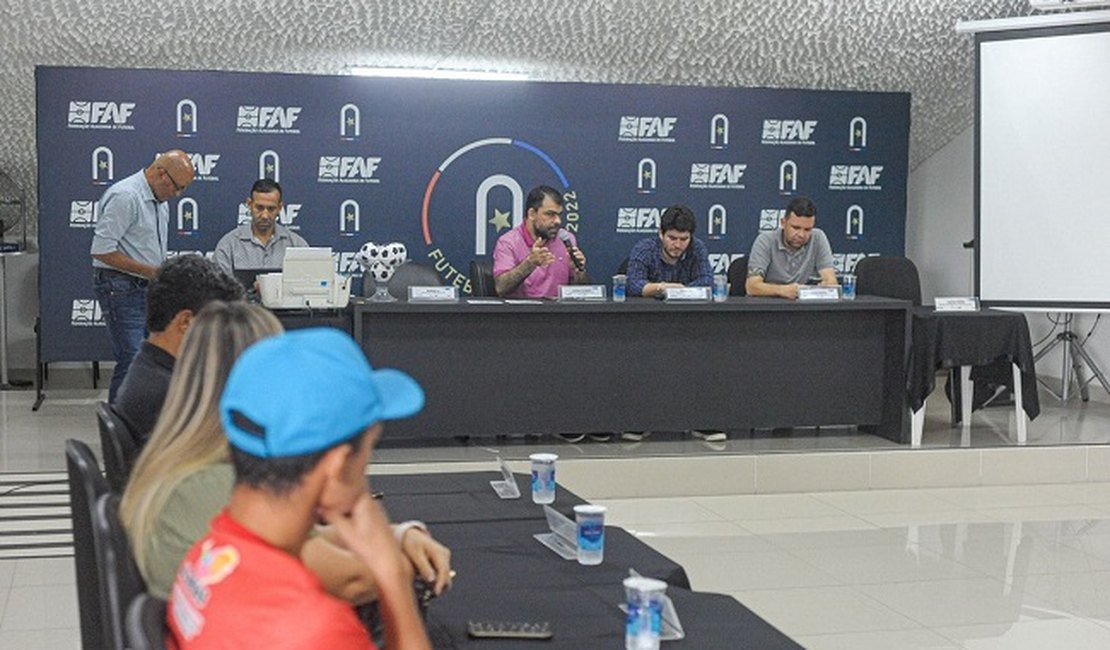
(1077, 356)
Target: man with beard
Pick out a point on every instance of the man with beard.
(532, 260)
(260, 244)
(673, 259)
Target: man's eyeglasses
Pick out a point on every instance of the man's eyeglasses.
(176, 188)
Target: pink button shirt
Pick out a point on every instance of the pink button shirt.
(544, 281)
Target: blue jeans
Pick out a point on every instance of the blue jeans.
(122, 300)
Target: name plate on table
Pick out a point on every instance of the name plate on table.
(956, 304)
(433, 294)
(686, 294)
(582, 292)
(818, 293)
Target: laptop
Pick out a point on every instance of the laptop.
(247, 277)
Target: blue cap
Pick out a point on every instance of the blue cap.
(308, 390)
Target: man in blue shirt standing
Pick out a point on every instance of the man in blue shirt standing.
(673, 259)
(128, 246)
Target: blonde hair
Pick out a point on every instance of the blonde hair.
(188, 435)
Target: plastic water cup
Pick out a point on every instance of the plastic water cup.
(644, 623)
(848, 286)
(720, 288)
(543, 477)
(591, 533)
(620, 284)
(269, 289)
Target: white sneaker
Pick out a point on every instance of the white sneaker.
(600, 437)
(572, 437)
(634, 436)
(709, 435)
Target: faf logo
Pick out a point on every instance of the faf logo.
(101, 115)
(846, 262)
(86, 313)
(789, 132)
(348, 169)
(855, 177)
(721, 261)
(718, 131)
(205, 166)
(268, 119)
(350, 122)
(769, 219)
(350, 218)
(83, 214)
(186, 118)
(638, 220)
(289, 212)
(640, 128)
(717, 176)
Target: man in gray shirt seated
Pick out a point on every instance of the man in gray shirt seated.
(784, 258)
(260, 244)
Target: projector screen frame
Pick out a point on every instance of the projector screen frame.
(1023, 33)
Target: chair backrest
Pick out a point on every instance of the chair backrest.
(120, 581)
(146, 623)
(890, 277)
(738, 276)
(622, 269)
(117, 445)
(481, 279)
(409, 274)
(86, 485)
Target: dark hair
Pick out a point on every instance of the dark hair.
(535, 197)
(801, 206)
(186, 282)
(280, 475)
(265, 186)
(678, 217)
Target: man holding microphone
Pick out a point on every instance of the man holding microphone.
(534, 259)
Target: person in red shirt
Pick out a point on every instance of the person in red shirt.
(299, 456)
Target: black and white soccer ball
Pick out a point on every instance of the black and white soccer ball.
(381, 272)
(368, 255)
(394, 254)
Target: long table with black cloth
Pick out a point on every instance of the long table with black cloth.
(504, 574)
(494, 369)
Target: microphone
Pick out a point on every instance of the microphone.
(564, 236)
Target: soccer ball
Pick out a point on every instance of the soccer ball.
(381, 272)
(368, 255)
(394, 254)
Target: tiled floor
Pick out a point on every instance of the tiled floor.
(978, 567)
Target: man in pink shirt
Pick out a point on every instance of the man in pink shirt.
(531, 261)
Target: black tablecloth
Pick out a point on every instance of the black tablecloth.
(989, 340)
(504, 574)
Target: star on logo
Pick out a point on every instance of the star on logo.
(350, 121)
(859, 132)
(647, 173)
(187, 215)
(350, 216)
(788, 176)
(718, 220)
(186, 118)
(500, 220)
(104, 164)
(720, 130)
(270, 168)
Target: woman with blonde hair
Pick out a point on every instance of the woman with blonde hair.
(183, 477)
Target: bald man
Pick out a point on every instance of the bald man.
(128, 246)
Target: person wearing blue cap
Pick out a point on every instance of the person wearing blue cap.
(299, 456)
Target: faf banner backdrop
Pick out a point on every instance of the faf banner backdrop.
(444, 166)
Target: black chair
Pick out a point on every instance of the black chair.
(120, 580)
(118, 446)
(409, 274)
(738, 276)
(889, 277)
(622, 269)
(86, 485)
(481, 279)
(146, 623)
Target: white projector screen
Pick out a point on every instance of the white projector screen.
(1043, 167)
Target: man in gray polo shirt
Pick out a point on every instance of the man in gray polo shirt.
(788, 256)
(261, 243)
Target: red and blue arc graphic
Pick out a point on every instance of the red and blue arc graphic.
(470, 147)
